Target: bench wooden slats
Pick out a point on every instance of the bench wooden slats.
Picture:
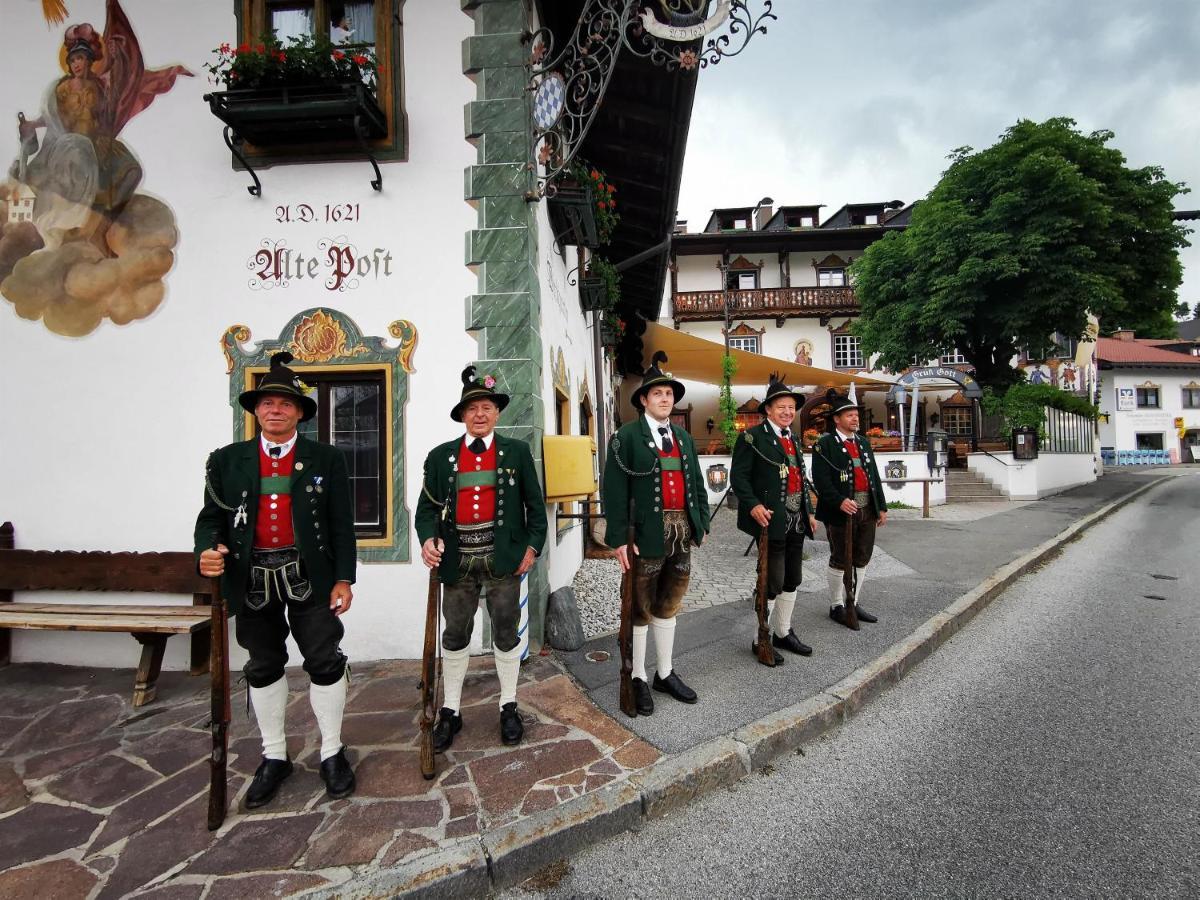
(66, 570)
(100, 608)
(84, 621)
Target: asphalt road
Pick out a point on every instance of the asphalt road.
(1050, 749)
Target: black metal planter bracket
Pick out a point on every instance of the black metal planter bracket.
(234, 142)
(360, 132)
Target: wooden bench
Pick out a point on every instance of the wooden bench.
(151, 626)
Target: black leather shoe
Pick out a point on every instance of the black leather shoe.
(267, 778)
(838, 614)
(511, 726)
(864, 616)
(642, 698)
(790, 642)
(777, 659)
(674, 686)
(448, 725)
(337, 775)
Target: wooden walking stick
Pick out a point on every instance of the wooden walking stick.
(625, 634)
(430, 668)
(849, 579)
(218, 670)
(762, 647)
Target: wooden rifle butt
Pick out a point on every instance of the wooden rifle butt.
(762, 647)
(218, 664)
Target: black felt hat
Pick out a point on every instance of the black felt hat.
(776, 388)
(282, 382)
(839, 403)
(653, 378)
(477, 388)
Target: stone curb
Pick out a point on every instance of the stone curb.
(505, 856)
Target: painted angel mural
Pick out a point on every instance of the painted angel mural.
(92, 247)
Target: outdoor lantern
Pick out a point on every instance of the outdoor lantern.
(709, 424)
(718, 477)
(938, 450)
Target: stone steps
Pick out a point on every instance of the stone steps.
(965, 486)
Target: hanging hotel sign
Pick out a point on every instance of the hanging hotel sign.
(683, 33)
(970, 387)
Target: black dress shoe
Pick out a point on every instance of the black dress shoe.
(511, 726)
(449, 724)
(642, 698)
(674, 686)
(838, 614)
(337, 775)
(864, 616)
(267, 778)
(790, 642)
(776, 658)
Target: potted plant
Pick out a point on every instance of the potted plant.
(582, 207)
(810, 437)
(600, 287)
(308, 91)
(612, 329)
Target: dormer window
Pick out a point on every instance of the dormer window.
(800, 220)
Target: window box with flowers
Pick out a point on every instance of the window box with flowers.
(612, 329)
(582, 208)
(883, 440)
(600, 287)
(307, 94)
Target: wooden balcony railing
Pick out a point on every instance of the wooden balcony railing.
(764, 303)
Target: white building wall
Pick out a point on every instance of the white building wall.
(104, 437)
(1123, 426)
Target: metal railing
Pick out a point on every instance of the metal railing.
(764, 302)
(1067, 432)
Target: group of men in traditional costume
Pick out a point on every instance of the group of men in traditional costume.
(277, 526)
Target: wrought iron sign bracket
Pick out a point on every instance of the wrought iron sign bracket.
(568, 85)
(234, 142)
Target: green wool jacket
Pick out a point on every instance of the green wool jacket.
(633, 468)
(756, 477)
(322, 515)
(520, 506)
(833, 476)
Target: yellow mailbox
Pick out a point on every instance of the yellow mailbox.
(570, 465)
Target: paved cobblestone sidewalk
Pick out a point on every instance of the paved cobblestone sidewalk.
(100, 800)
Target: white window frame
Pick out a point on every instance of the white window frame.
(751, 343)
(847, 352)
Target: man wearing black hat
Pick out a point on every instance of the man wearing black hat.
(655, 463)
(849, 495)
(481, 520)
(278, 527)
(769, 480)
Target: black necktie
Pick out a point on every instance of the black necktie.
(275, 451)
(666, 441)
(477, 446)
(784, 433)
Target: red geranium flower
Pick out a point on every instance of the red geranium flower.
(360, 59)
(338, 54)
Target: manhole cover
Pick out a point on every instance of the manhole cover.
(597, 656)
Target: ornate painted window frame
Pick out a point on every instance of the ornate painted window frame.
(325, 340)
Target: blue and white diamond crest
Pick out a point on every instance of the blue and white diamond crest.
(548, 101)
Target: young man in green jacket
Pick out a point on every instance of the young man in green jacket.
(655, 464)
(481, 520)
(278, 527)
(769, 480)
(849, 496)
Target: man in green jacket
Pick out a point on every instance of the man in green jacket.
(278, 527)
(654, 463)
(481, 520)
(770, 483)
(849, 496)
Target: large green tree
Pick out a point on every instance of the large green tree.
(1019, 241)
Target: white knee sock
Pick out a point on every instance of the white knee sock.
(454, 673)
(837, 590)
(328, 703)
(270, 704)
(508, 670)
(858, 583)
(664, 643)
(781, 615)
(640, 633)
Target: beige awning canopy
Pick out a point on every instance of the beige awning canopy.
(695, 359)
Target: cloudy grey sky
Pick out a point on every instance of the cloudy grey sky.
(860, 100)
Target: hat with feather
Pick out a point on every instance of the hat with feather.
(282, 382)
(477, 387)
(776, 388)
(653, 377)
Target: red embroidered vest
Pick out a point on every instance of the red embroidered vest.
(672, 473)
(476, 485)
(794, 482)
(860, 474)
(273, 524)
